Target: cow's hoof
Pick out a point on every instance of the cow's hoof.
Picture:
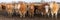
(31, 16)
(20, 16)
(23, 16)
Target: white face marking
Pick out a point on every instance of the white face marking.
(32, 7)
(46, 7)
(19, 6)
(15, 6)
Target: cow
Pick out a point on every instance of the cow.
(16, 7)
(3, 6)
(31, 9)
(22, 9)
(9, 9)
(47, 8)
(41, 8)
(54, 8)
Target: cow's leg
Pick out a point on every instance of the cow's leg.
(16, 11)
(29, 13)
(9, 14)
(48, 13)
(32, 13)
(44, 12)
(56, 14)
(52, 14)
(24, 14)
(37, 12)
(20, 13)
(12, 12)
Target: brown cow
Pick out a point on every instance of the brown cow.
(9, 9)
(41, 8)
(22, 9)
(3, 6)
(31, 9)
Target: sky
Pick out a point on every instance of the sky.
(28, 0)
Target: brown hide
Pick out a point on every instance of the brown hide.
(9, 9)
(41, 8)
(22, 9)
(31, 10)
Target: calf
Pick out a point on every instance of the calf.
(31, 10)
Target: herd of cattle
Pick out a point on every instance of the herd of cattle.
(22, 8)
